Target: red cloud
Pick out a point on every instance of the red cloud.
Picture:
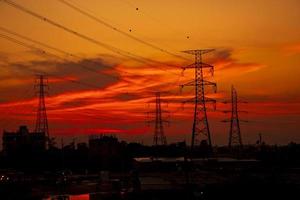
(120, 107)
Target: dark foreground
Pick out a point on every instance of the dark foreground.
(109, 169)
(164, 180)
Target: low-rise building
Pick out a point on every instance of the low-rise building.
(22, 141)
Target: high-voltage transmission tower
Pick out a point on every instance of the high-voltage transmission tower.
(200, 131)
(41, 125)
(235, 137)
(159, 137)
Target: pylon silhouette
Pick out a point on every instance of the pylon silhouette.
(159, 137)
(235, 137)
(41, 118)
(200, 130)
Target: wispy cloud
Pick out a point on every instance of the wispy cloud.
(291, 49)
(224, 61)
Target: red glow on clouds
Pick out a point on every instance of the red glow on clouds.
(120, 107)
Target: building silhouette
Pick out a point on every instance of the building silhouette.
(105, 151)
(23, 142)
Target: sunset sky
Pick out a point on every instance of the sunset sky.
(257, 49)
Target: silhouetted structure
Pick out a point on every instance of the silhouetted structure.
(259, 141)
(105, 151)
(235, 137)
(103, 145)
(23, 142)
(41, 118)
(159, 137)
(200, 124)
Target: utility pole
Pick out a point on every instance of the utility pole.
(159, 137)
(200, 130)
(41, 119)
(259, 141)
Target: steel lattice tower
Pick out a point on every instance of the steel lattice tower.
(159, 137)
(235, 137)
(41, 118)
(200, 129)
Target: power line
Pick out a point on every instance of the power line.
(61, 51)
(94, 41)
(114, 28)
(70, 54)
(35, 41)
(156, 20)
(44, 53)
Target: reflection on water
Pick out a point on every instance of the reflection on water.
(80, 197)
(70, 197)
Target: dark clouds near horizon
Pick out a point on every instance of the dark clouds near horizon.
(64, 75)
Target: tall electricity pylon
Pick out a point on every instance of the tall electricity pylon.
(41, 119)
(200, 129)
(159, 137)
(235, 137)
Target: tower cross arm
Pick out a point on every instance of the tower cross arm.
(205, 82)
(193, 66)
(198, 51)
(190, 83)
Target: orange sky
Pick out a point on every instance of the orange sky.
(257, 46)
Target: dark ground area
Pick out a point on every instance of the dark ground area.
(108, 169)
